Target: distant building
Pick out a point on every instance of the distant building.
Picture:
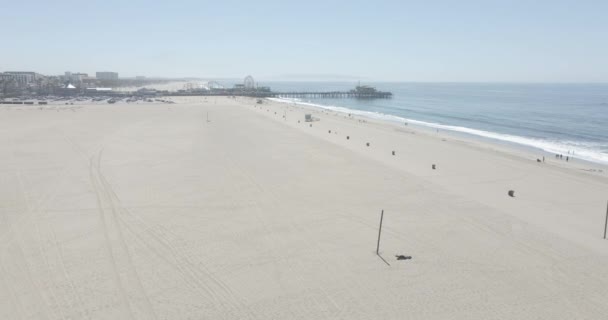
(140, 78)
(107, 75)
(74, 77)
(22, 77)
(365, 89)
(79, 76)
(67, 90)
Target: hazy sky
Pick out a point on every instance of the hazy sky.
(532, 41)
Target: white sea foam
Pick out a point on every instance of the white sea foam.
(578, 149)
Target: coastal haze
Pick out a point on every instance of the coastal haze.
(383, 160)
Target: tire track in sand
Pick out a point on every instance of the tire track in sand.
(213, 288)
(125, 304)
(104, 195)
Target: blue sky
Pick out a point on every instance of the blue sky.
(498, 41)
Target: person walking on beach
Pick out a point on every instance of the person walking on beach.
(567, 159)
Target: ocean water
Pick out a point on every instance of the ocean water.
(556, 118)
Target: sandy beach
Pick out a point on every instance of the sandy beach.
(221, 208)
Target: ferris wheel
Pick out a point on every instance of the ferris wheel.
(249, 82)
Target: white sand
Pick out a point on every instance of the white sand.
(151, 212)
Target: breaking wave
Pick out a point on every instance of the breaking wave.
(588, 151)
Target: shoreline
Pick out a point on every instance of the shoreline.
(508, 147)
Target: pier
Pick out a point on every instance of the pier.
(289, 94)
(360, 92)
(333, 94)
